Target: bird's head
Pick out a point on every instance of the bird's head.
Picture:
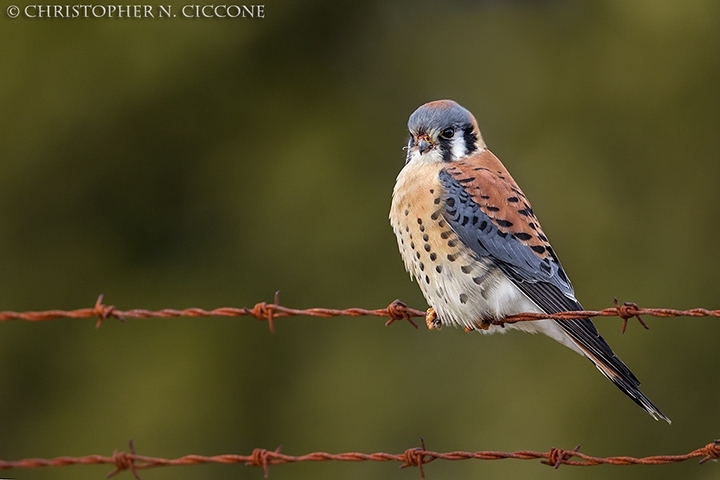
(442, 131)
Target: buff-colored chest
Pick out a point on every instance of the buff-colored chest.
(424, 238)
(455, 281)
(464, 288)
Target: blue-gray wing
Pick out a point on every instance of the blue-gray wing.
(490, 214)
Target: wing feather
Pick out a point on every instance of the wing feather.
(491, 215)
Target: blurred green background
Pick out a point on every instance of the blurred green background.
(208, 162)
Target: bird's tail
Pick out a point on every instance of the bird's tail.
(628, 384)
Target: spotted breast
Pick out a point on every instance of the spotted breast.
(463, 287)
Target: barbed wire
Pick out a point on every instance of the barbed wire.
(412, 457)
(396, 310)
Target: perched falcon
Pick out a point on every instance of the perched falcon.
(469, 236)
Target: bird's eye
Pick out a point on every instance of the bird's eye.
(447, 133)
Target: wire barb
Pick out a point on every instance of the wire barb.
(124, 461)
(397, 310)
(416, 457)
(262, 458)
(263, 311)
(558, 456)
(626, 311)
(712, 451)
(103, 312)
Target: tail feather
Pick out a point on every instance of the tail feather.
(629, 386)
(550, 297)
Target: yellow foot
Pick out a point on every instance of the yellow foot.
(431, 320)
(482, 325)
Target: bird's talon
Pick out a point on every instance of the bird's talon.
(484, 324)
(431, 319)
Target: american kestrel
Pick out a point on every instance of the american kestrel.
(469, 236)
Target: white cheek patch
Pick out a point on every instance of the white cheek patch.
(458, 147)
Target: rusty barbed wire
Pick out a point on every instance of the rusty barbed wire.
(395, 311)
(412, 457)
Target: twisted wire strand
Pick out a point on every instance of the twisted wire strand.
(412, 457)
(395, 311)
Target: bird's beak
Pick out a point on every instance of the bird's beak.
(424, 144)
